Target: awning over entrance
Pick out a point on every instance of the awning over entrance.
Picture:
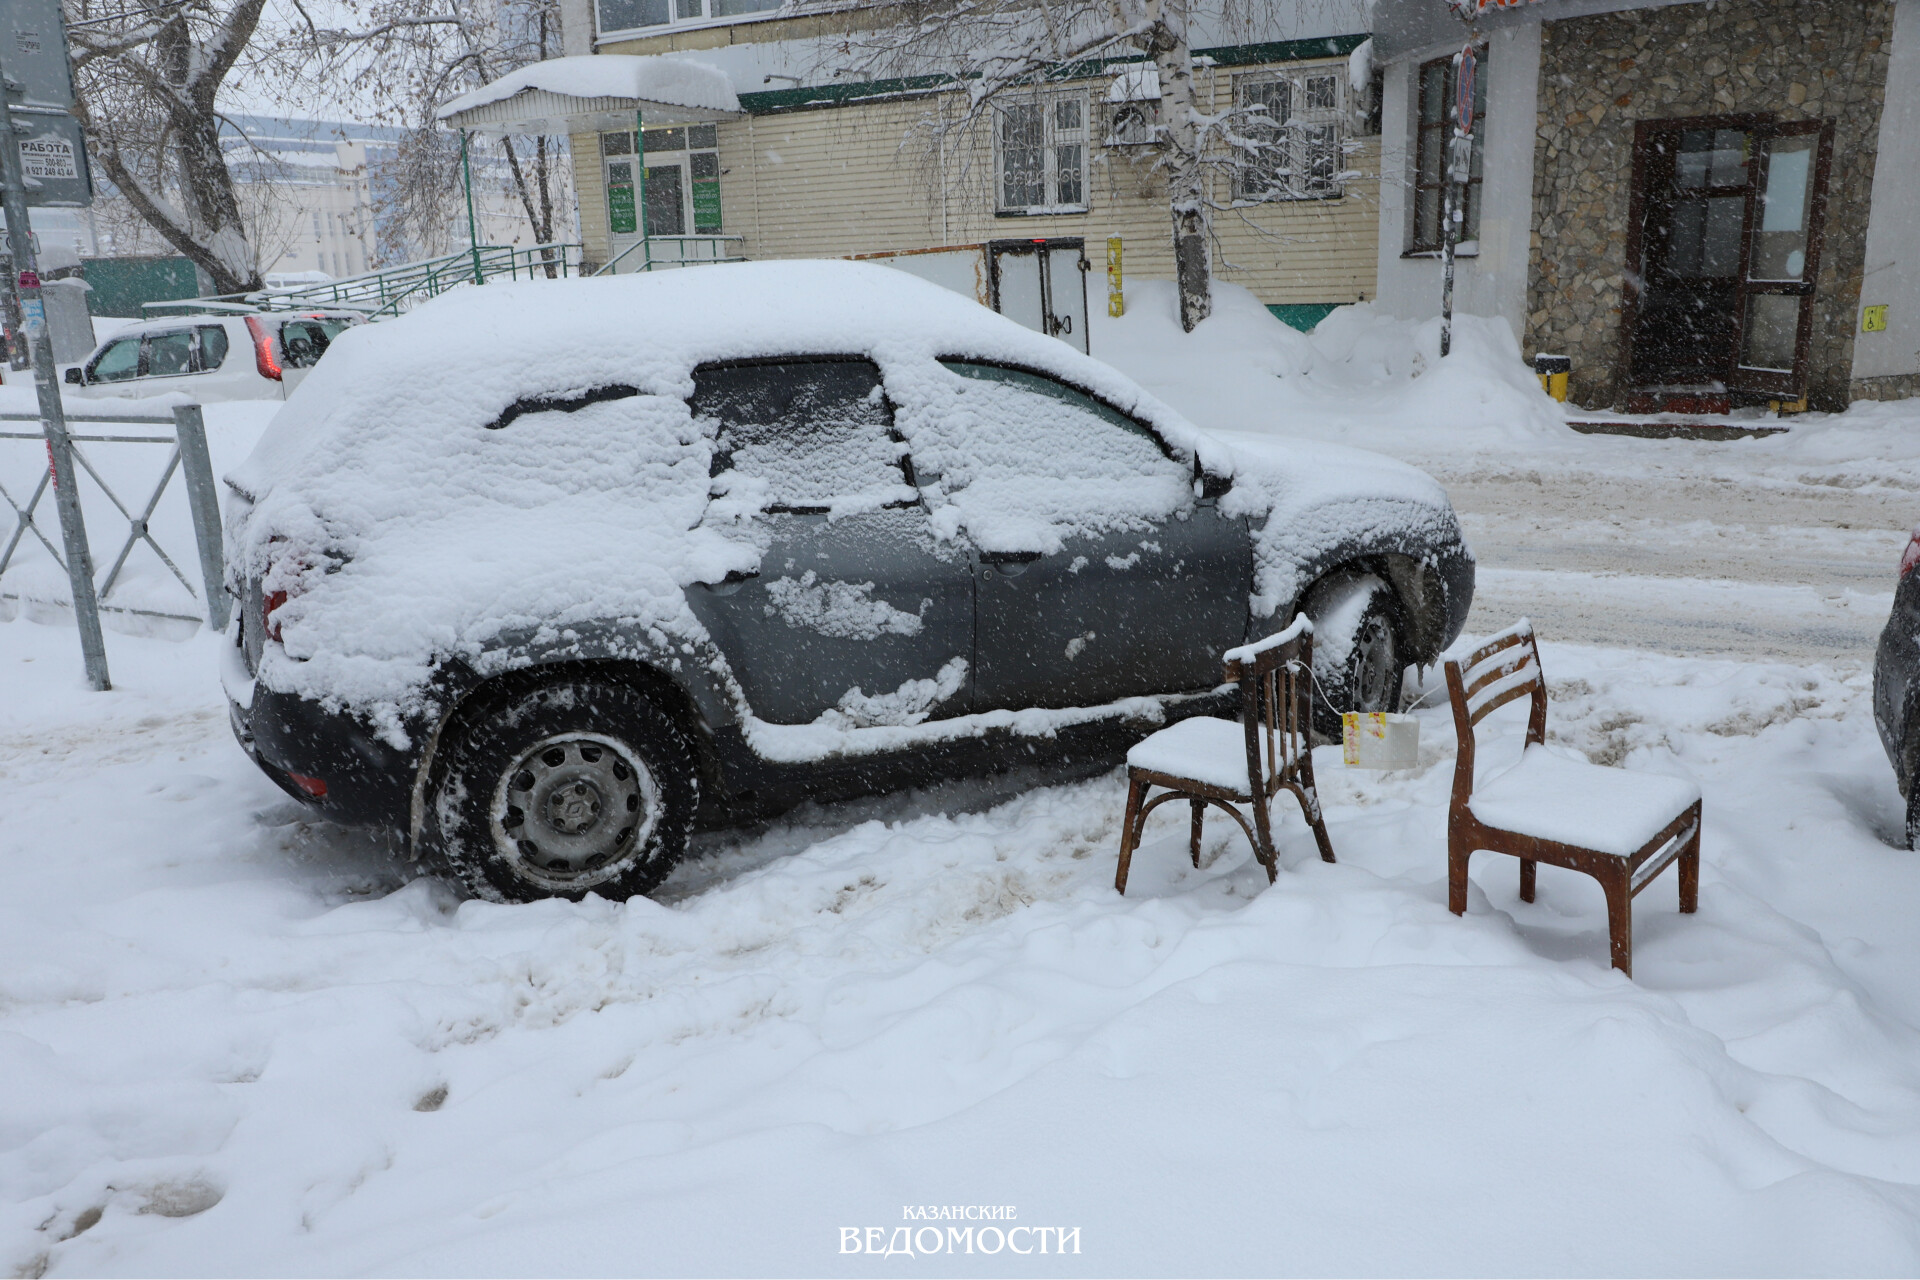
(595, 92)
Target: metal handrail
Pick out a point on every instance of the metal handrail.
(377, 294)
(682, 261)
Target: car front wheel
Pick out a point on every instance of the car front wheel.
(1356, 649)
(571, 788)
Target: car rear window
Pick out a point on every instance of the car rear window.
(816, 434)
(303, 342)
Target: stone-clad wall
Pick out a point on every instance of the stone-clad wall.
(1793, 59)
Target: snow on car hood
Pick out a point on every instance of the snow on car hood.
(519, 458)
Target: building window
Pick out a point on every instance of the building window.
(639, 15)
(1437, 89)
(1040, 155)
(1294, 128)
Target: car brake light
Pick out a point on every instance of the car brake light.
(315, 787)
(1911, 557)
(263, 358)
(273, 601)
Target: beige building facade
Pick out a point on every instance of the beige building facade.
(848, 169)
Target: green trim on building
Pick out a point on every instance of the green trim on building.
(815, 97)
(1303, 316)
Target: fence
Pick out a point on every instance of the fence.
(658, 252)
(188, 458)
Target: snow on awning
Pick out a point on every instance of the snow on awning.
(1137, 82)
(595, 91)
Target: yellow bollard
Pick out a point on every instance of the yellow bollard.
(1553, 371)
(1116, 299)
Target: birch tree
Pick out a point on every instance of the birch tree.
(147, 74)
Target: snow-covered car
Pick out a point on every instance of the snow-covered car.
(544, 575)
(1896, 685)
(261, 356)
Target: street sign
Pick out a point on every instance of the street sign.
(53, 160)
(1463, 102)
(33, 51)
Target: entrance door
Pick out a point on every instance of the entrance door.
(1042, 284)
(1721, 271)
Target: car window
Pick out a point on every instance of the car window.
(802, 435)
(213, 347)
(169, 353)
(303, 342)
(1028, 459)
(332, 329)
(120, 361)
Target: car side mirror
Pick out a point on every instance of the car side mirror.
(76, 377)
(1210, 485)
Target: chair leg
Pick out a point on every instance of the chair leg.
(1690, 873)
(1310, 801)
(1129, 831)
(1527, 868)
(1458, 853)
(1199, 823)
(1620, 920)
(1263, 846)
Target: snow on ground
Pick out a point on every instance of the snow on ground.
(236, 1041)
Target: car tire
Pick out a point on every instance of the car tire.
(570, 788)
(1357, 662)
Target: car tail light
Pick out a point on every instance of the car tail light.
(263, 358)
(1911, 556)
(315, 787)
(273, 600)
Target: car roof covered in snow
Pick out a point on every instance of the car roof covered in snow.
(461, 360)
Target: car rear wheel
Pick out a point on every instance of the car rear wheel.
(571, 788)
(1356, 648)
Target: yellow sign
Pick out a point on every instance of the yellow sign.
(1116, 296)
(1873, 320)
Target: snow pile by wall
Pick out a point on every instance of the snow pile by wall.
(1361, 377)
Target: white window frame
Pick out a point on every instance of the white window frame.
(679, 20)
(1054, 139)
(1308, 132)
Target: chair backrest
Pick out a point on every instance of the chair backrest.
(1275, 676)
(1505, 668)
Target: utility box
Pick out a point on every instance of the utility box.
(69, 323)
(1041, 283)
(121, 286)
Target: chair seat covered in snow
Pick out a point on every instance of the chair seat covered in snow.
(1229, 763)
(1620, 826)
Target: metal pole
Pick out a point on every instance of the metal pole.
(473, 231)
(53, 417)
(196, 467)
(640, 184)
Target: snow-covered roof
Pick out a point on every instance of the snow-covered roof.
(592, 84)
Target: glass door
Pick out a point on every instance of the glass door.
(1782, 261)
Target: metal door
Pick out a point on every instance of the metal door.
(1042, 284)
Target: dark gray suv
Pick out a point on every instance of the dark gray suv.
(608, 607)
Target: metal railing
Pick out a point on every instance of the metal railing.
(195, 466)
(660, 252)
(388, 292)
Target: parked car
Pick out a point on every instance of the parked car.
(1896, 685)
(262, 356)
(543, 576)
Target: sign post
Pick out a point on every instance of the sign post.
(1459, 173)
(41, 162)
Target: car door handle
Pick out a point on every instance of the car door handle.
(1009, 557)
(731, 583)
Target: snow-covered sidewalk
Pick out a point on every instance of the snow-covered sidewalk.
(236, 1043)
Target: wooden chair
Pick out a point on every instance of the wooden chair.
(1206, 760)
(1622, 827)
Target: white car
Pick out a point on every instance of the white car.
(215, 357)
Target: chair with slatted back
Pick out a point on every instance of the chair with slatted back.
(1229, 763)
(1620, 826)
